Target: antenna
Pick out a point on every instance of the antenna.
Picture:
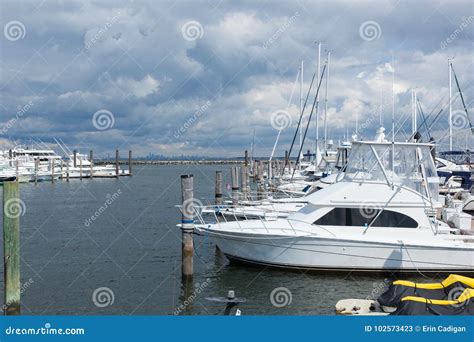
(317, 99)
(450, 107)
(326, 100)
(301, 97)
(393, 99)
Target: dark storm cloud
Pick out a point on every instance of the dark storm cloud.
(155, 66)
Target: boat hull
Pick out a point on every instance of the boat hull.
(330, 254)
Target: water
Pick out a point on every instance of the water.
(132, 248)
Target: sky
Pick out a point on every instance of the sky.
(202, 78)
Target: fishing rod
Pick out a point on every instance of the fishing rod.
(462, 98)
(299, 123)
(309, 120)
(420, 109)
(287, 107)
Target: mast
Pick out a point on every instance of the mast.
(301, 97)
(413, 112)
(450, 107)
(317, 100)
(393, 99)
(326, 101)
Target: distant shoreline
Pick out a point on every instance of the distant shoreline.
(175, 162)
(169, 162)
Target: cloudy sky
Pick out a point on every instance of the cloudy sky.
(199, 77)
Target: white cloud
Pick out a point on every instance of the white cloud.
(141, 88)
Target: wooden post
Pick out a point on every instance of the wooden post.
(51, 163)
(62, 169)
(218, 190)
(10, 157)
(246, 163)
(80, 167)
(130, 162)
(260, 184)
(243, 182)
(36, 170)
(17, 170)
(67, 172)
(12, 210)
(74, 156)
(235, 185)
(187, 226)
(116, 163)
(254, 171)
(91, 161)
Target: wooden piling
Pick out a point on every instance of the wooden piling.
(51, 163)
(218, 187)
(91, 162)
(62, 170)
(235, 185)
(116, 163)
(74, 156)
(187, 226)
(10, 157)
(67, 172)
(17, 170)
(12, 209)
(254, 171)
(260, 183)
(129, 162)
(36, 170)
(243, 182)
(246, 162)
(80, 167)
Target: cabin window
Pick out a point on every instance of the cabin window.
(357, 217)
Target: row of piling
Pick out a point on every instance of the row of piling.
(77, 163)
(240, 191)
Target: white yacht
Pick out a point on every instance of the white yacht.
(82, 168)
(381, 215)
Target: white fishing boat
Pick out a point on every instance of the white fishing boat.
(381, 215)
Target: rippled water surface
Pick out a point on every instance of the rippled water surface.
(132, 248)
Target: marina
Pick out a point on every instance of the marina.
(276, 171)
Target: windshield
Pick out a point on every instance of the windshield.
(400, 164)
